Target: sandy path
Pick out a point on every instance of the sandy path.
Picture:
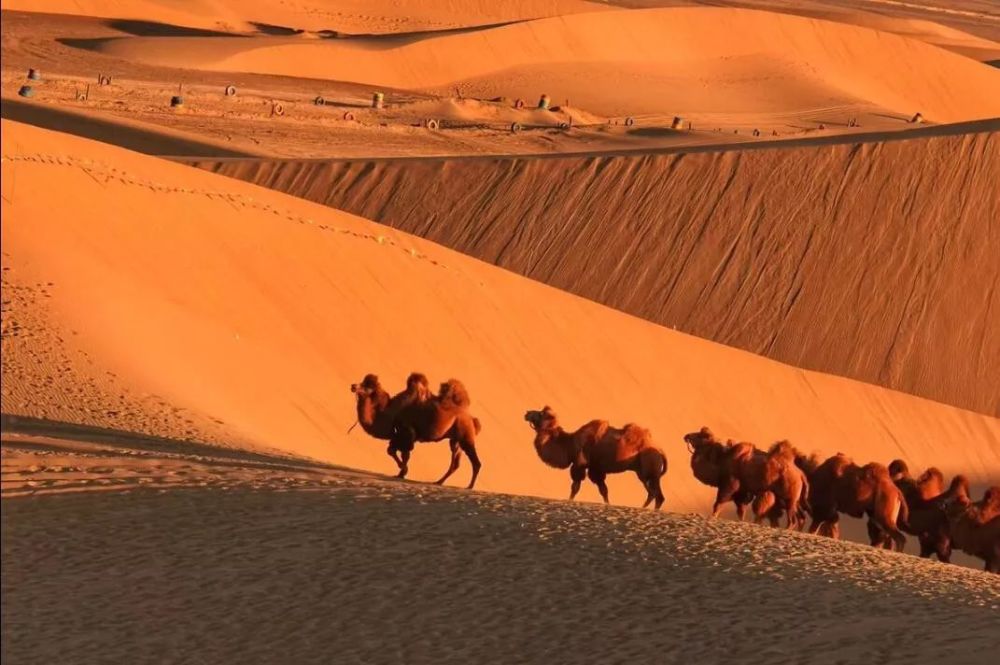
(363, 570)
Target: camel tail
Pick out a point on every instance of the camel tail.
(478, 425)
(903, 518)
(804, 495)
(663, 462)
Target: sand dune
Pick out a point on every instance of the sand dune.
(352, 16)
(177, 302)
(854, 259)
(683, 60)
(309, 564)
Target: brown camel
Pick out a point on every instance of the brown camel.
(927, 520)
(975, 526)
(415, 414)
(742, 474)
(708, 462)
(841, 486)
(596, 450)
(377, 411)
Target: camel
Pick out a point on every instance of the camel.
(596, 449)
(377, 411)
(840, 486)
(975, 526)
(744, 474)
(415, 414)
(927, 520)
(708, 459)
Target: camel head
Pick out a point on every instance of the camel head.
(898, 469)
(368, 387)
(542, 420)
(696, 440)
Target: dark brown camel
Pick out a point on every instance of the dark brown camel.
(742, 474)
(415, 414)
(596, 450)
(840, 486)
(443, 416)
(708, 462)
(927, 520)
(975, 526)
(377, 411)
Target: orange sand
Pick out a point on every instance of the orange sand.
(257, 310)
(691, 61)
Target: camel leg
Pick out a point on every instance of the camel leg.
(654, 493)
(403, 463)
(927, 546)
(943, 549)
(456, 456)
(577, 474)
(597, 478)
(725, 494)
(469, 448)
(876, 537)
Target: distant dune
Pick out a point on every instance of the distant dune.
(148, 296)
(854, 259)
(353, 16)
(686, 60)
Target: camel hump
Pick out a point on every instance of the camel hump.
(416, 381)
(782, 450)
(743, 450)
(875, 470)
(808, 463)
(637, 435)
(453, 393)
(991, 501)
(932, 474)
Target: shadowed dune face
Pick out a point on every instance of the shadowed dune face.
(247, 314)
(853, 259)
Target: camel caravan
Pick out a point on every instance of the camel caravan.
(783, 481)
(779, 483)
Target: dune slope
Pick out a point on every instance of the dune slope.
(149, 296)
(854, 259)
(685, 60)
(377, 572)
(352, 16)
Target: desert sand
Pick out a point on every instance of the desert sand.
(744, 247)
(182, 481)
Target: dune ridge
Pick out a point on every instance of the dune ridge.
(854, 259)
(247, 313)
(684, 60)
(352, 16)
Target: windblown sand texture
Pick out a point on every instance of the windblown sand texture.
(854, 259)
(180, 477)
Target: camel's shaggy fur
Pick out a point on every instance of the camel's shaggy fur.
(596, 449)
